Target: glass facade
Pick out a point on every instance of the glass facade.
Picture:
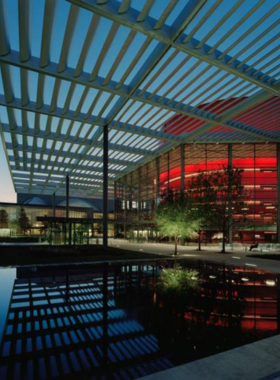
(137, 193)
(57, 231)
(33, 212)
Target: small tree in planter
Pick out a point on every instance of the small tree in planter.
(23, 220)
(177, 216)
(4, 219)
(218, 195)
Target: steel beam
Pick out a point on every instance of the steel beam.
(211, 121)
(70, 155)
(84, 142)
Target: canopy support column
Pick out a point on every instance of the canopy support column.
(67, 208)
(53, 204)
(105, 185)
(182, 180)
(278, 192)
(230, 205)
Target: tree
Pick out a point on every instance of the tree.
(13, 225)
(4, 219)
(23, 220)
(176, 215)
(219, 196)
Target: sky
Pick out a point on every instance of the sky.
(83, 22)
(7, 192)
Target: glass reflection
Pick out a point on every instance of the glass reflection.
(129, 320)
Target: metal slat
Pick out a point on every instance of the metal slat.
(4, 42)
(237, 25)
(249, 31)
(220, 23)
(145, 10)
(87, 43)
(202, 20)
(24, 20)
(47, 32)
(172, 4)
(68, 37)
(120, 56)
(125, 5)
(104, 50)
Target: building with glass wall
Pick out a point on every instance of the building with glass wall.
(47, 217)
(138, 193)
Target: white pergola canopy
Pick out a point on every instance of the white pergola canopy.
(158, 72)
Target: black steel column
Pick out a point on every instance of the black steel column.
(67, 208)
(183, 167)
(105, 186)
(125, 205)
(67, 196)
(138, 194)
(157, 181)
(230, 205)
(278, 192)
(53, 204)
(116, 211)
(182, 180)
(168, 171)
(254, 241)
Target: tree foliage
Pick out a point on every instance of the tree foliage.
(179, 287)
(218, 196)
(176, 215)
(178, 279)
(4, 219)
(23, 220)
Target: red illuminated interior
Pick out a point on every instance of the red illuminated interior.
(259, 177)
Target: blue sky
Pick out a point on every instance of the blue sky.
(7, 193)
(83, 22)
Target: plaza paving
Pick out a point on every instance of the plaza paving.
(256, 361)
(232, 257)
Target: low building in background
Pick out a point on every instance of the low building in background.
(48, 220)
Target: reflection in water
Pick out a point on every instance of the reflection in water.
(119, 321)
(7, 276)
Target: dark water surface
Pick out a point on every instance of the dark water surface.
(124, 321)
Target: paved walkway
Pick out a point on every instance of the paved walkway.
(256, 361)
(232, 257)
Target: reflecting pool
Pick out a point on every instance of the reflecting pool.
(125, 321)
